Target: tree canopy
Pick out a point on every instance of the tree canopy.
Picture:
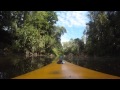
(103, 34)
(33, 31)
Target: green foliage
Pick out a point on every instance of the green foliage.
(28, 38)
(32, 31)
(75, 46)
(103, 33)
(56, 51)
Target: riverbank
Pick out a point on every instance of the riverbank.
(10, 54)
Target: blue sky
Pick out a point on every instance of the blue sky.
(74, 22)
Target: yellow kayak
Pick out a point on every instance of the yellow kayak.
(65, 71)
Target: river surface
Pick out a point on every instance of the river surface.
(12, 66)
(109, 65)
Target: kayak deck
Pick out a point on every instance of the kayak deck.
(65, 71)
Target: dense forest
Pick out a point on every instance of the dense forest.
(30, 32)
(36, 32)
(102, 36)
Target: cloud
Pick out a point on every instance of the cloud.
(74, 22)
(72, 18)
(64, 38)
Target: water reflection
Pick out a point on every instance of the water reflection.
(13, 66)
(110, 65)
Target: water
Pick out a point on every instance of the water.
(12, 66)
(107, 65)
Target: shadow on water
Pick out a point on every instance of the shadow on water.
(14, 66)
(109, 65)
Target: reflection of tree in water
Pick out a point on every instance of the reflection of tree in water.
(101, 64)
(15, 68)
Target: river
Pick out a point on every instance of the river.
(12, 66)
(109, 65)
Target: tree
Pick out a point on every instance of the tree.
(32, 31)
(75, 46)
(103, 33)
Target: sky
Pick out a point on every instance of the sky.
(74, 22)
